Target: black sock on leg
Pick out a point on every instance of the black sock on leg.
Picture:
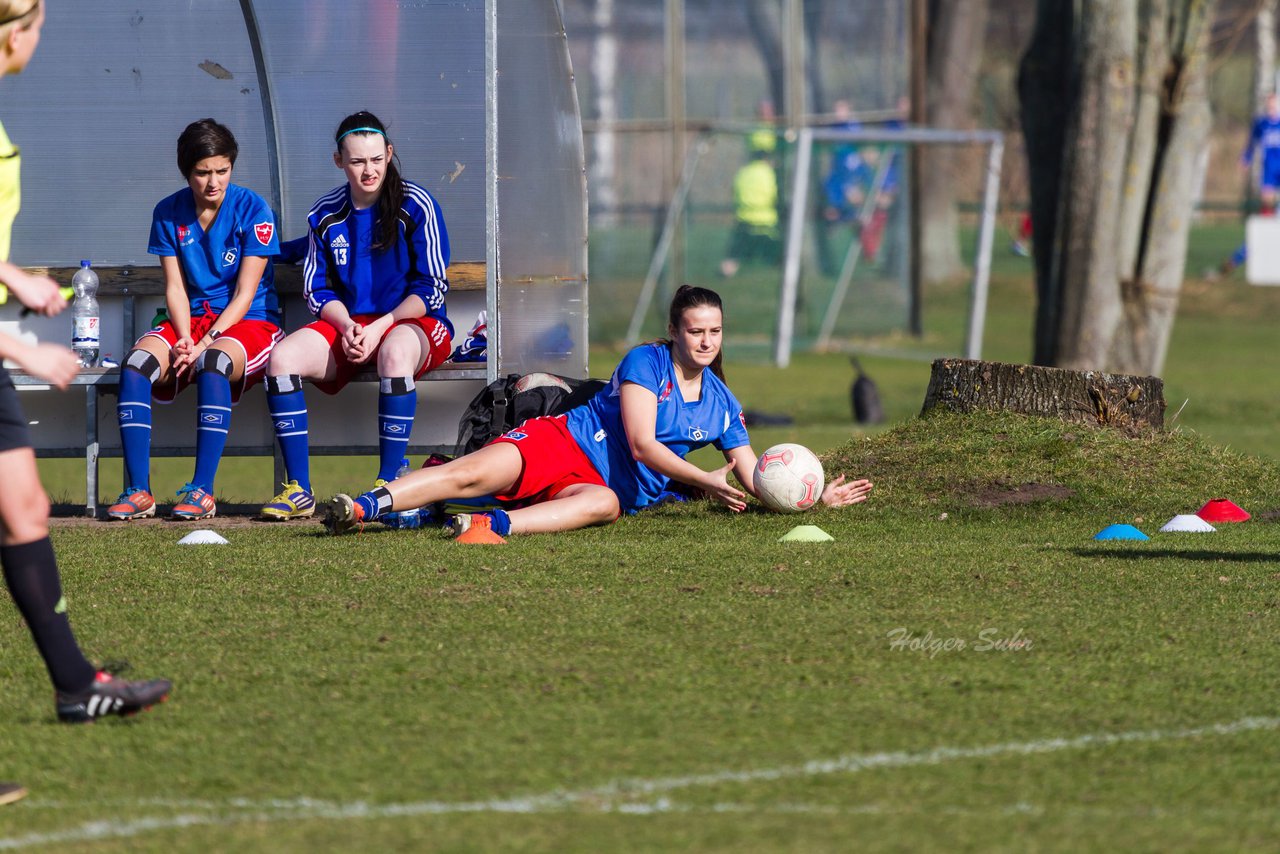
(31, 573)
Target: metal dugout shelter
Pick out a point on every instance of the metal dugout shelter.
(480, 104)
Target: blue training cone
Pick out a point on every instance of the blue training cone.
(1120, 532)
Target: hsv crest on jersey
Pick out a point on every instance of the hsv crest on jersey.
(516, 435)
(263, 231)
(229, 257)
(696, 433)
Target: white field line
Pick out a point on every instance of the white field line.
(620, 796)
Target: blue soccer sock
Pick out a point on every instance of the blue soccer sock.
(134, 414)
(397, 403)
(288, 408)
(213, 421)
(374, 503)
(499, 521)
(1238, 257)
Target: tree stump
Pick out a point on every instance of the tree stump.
(1131, 404)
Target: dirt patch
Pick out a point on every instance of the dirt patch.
(1004, 494)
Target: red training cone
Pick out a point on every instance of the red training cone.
(1222, 510)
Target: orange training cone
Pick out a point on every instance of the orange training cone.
(479, 534)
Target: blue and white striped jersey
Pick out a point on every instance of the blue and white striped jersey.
(342, 263)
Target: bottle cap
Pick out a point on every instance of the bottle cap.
(84, 263)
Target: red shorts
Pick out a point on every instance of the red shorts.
(255, 337)
(552, 460)
(437, 337)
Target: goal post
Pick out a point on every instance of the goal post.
(797, 218)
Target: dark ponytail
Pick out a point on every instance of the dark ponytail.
(691, 296)
(391, 196)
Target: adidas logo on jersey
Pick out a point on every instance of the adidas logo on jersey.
(339, 242)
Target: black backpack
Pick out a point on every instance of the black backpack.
(506, 402)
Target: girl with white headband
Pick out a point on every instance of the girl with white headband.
(374, 276)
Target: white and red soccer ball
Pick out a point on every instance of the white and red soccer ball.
(788, 478)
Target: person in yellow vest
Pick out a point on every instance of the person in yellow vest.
(82, 693)
(755, 209)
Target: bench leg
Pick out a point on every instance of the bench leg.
(91, 451)
(279, 473)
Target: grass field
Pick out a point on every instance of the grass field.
(963, 668)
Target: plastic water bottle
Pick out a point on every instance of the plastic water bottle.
(84, 315)
(404, 518)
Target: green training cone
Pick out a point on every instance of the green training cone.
(806, 534)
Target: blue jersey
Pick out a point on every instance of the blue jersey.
(342, 263)
(210, 260)
(851, 170)
(1266, 136)
(716, 418)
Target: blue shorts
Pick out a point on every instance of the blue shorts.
(1270, 178)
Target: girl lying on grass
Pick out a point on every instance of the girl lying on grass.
(616, 453)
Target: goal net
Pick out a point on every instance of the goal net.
(808, 238)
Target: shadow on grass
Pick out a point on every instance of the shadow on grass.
(1163, 554)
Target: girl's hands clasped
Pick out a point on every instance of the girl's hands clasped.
(184, 355)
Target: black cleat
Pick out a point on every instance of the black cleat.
(109, 695)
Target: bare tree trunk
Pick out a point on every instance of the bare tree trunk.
(604, 69)
(957, 30)
(1264, 72)
(1132, 404)
(813, 57)
(1115, 110)
(766, 31)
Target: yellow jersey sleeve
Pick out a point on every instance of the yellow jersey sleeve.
(10, 190)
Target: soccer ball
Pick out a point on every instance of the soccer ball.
(538, 380)
(788, 478)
